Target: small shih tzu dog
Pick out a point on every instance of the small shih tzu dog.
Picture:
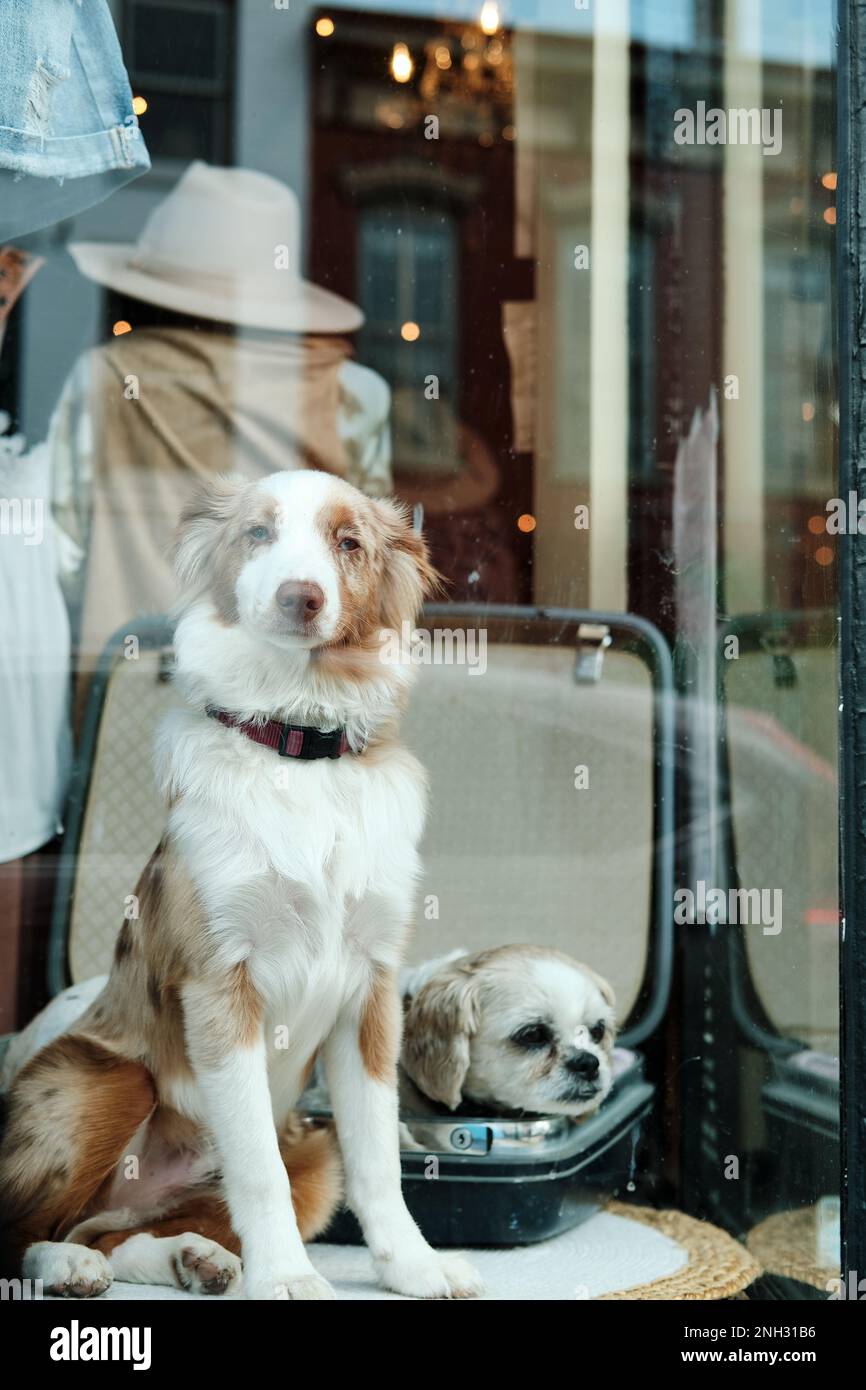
(513, 1028)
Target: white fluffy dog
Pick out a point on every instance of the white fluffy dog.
(513, 1028)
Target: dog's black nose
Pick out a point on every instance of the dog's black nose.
(301, 598)
(584, 1065)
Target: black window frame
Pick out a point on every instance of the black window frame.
(851, 278)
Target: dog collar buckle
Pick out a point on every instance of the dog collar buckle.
(288, 740)
(300, 741)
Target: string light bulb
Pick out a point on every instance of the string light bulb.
(489, 17)
(402, 66)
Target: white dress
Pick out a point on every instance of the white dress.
(35, 746)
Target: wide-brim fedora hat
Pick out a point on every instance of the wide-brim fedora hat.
(224, 244)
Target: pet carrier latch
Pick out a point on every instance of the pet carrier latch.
(471, 1138)
(779, 645)
(592, 640)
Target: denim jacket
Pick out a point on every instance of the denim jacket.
(68, 134)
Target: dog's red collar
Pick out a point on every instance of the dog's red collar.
(289, 740)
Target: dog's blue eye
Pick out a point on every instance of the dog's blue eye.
(597, 1032)
(533, 1035)
(348, 543)
(258, 533)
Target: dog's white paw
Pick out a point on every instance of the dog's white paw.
(306, 1285)
(432, 1276)
(67, 1271)
(200, 1266)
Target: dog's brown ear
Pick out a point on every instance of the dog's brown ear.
(409, 577)
(212, 504)
(439, 1023)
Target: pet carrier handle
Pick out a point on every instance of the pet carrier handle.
(593, 639)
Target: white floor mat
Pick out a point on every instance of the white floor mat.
(605, 1254)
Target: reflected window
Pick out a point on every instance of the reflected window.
(407, 282)
(179, 58)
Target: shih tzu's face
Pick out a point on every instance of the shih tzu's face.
(515, 1028)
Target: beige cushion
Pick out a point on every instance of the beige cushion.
(124, 814)
(513, 851)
